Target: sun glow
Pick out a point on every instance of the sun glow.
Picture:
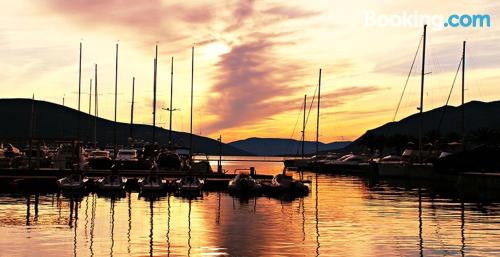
(216, 49)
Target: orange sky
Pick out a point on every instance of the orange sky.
(254, 60)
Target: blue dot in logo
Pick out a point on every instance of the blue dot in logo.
(446, 24)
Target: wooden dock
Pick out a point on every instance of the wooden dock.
(48, 176)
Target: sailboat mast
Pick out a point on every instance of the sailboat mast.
(90, 97)
(132, 110)
(191, 116)
(116, 102)
(171, 95)
(31, 129)
(95, 106)
(89, 136)
(317, 115)
(79, 92)
(421, 109)
(463, 96)
(304, 127)
(154, 93)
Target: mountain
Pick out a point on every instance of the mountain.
(479, 116)
(53, 121)
(280, 146)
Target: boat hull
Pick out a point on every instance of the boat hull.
(402, 170)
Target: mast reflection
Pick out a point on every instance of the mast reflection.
(420, 224)
(217, 217)
(189, 228)
(112, 221)
(168, 225)
(317, 216)
(151, 218)
(462, 228)
(92, 225)
(129, 221)
(28, 210)
(37, 196)
(75, 228)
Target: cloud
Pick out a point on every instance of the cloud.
(248, 81)
(290, 12)
(153, 20)
(254, 85)
(344, 95)
(243, 10)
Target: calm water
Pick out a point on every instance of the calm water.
(342, 216)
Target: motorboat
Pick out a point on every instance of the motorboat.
(100, 160)
(152, 182)
(11, 151)
(127, 159)
(243, 183)
(299, 163)
(351, 163)
(37, 155)
(201, 167)
(189, 184)
(406, 166)
(112, 182)
(4, 161)
(483, 158)
(72, 182)
(283, 183)
(68, 155)
(169, 161)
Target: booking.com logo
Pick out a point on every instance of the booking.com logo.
(416, 19)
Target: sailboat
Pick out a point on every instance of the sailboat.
(483, 158)
(306, 163)
(408, 168)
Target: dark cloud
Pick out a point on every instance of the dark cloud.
(250, 78)
(242, 11)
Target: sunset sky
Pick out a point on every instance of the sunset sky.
(254, 60)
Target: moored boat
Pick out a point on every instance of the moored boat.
(189, 184)
(244, 183)
(351, 163)
(283, 183)
(100, 160)
(112, 183)
(152, 182)
(127, 159)
(169, 161)
(72, 182)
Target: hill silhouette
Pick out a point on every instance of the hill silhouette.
(54, 121)
(281, 146)
(478, 116)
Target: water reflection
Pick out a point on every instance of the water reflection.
(151, 221)
(420, 225)
(112, 223)
(168, 225)
(189, 229)
(316, 184)
(342, 216)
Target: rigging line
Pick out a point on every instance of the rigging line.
(407, 79)
(449, 96)
(308, 113)
(296, 122)
(310, 105)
